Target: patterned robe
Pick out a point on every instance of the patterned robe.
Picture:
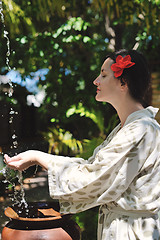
(122, 177)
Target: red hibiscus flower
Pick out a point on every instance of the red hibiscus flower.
(121, 64)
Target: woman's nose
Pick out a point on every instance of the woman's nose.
(96, 81)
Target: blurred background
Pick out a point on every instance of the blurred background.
(51, 51)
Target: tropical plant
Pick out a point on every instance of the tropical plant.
(96, 116)
(62, 142)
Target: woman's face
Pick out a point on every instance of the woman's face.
(107, 85)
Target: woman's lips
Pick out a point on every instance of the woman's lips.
(98, 90)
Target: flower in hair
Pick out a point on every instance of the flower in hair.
(121, 64)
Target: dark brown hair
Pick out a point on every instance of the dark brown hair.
(137, 77)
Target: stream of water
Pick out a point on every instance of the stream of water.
(9, 174)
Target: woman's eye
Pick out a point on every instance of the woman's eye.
(103, 76)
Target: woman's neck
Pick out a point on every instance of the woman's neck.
(126, 108)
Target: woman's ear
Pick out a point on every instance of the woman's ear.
(123, 81)
(124, 85)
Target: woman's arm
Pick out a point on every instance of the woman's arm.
(29, 158)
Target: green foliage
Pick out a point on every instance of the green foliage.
(88, 222)
(89, 146)
(71, 62)
(61, 142)
(15, 15)
(95, 116)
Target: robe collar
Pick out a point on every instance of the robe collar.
(146, 112)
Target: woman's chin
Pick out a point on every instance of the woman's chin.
(98, 99)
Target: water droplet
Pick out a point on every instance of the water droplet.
(4, 181)
(11, 112)
(5, 32)
(14, 136)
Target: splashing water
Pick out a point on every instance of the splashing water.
(10, 174)
(10, 93)
(9, 178)
(5, 34)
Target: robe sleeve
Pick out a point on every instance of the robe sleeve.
(80, 185)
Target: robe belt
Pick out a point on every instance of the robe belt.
(130, 213)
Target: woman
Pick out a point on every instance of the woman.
(122, 176)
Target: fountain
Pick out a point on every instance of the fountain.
(42, 222)
(37, 220)
(32, 220)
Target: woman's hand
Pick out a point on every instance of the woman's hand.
(26, 159)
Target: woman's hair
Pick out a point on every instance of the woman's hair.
(137, 77)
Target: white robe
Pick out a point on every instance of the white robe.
(122, 177)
